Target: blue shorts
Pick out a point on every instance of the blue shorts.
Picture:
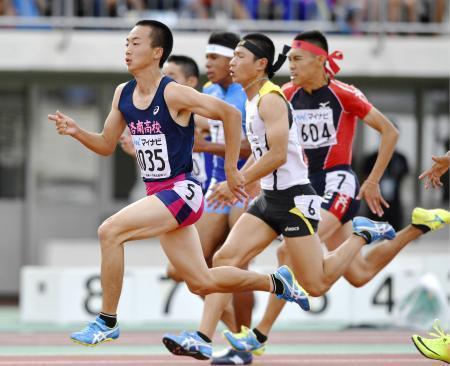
(338, 187)
(219, 210)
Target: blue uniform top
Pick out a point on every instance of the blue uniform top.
(234, 95)
(163, 147)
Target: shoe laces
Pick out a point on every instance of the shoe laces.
(298, 293)
(382, 227)
(190, 335)
(91, 326)
(440, 334)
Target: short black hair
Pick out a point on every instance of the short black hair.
(188, 65)
(266, 45)
(161, 36)
(226, 39)
(315, 37)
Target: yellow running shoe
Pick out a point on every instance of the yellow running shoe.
(437, 348)
(427, 220)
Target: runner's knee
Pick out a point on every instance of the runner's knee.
(317, 287)
(224, 258)
(201, 287)
(107, 233)
(173, 274)
(355, 281)
(357, 278)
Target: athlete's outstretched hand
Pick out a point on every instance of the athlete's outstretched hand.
(434, 174)
(64, 124)
(370, 191)
(236, 181)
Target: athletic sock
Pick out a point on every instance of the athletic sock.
(259, 336)
(110, 320)
(203, 336)
(422, 228)
(278, 287)
(365, 235)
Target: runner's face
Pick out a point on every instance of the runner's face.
(217, 68)
(138, 52)
(242, 66)
(303, 66)
(175, 71)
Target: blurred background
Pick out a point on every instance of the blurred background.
(69, 55)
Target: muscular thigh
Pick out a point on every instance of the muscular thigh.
(248, 237)
(306, 257)
(235, 213)
(182, 248)
(358, 263)
(145, 218)
(328, 225)
(341, 234)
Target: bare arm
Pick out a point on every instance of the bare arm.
(202, 145)
(181, 98)
(201, 123)
(103, 143)
(277, 133)
(370, 190)
(252, 189)
(274, 112)
(250, 161)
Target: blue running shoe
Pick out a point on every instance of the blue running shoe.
(292, 291)
(372, 231)
(232, 357)
(245, 341)
(188, 344)
(96, 332)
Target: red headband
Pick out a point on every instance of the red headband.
(336, 55)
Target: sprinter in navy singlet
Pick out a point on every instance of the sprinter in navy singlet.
(163, 147)
(164, 153)
(183, 70)
(159, 115)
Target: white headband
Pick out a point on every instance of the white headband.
(219, 50)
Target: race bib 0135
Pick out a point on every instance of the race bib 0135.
(152, 156)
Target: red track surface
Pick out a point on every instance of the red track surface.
(346, 338)
(363, 360)
(145, 338)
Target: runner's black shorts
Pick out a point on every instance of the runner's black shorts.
(281, 211)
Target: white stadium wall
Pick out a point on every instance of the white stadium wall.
(103, 51)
